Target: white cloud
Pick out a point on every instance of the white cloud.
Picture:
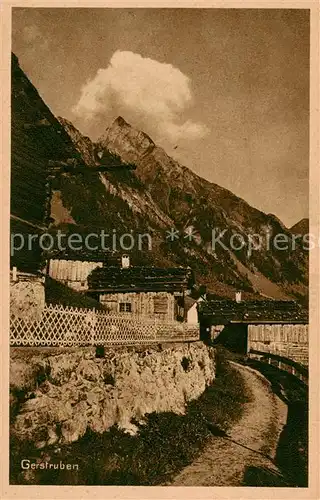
(154, 94)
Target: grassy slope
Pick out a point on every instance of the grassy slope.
(58, 293)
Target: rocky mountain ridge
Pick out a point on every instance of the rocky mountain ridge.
(187, 202)
(162, 198)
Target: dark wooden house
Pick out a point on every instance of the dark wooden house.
(142, 291)
(236, 324)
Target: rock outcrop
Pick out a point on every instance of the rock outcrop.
(27, 297)
(130, 142)
(68, 392)
(82, 143)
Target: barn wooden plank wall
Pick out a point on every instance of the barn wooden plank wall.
(286, 340)
(72, 272)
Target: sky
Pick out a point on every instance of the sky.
(224, 91)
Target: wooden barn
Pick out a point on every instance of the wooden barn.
(72, 273)
(225, 311)
(37, 140)
(279, 326)
(142, 291)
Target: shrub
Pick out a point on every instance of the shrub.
(58, 293)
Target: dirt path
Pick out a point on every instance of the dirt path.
(224, 462)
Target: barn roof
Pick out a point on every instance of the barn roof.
(82, 255)
(139, 279)
(258, 311)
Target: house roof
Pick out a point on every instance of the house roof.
(262, 311)
(79, 256)
(139, 279)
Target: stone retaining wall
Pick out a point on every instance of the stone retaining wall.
(68, 391)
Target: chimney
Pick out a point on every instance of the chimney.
(238, 297)
(125, 261)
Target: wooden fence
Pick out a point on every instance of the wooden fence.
(68, 326)
(282, 363)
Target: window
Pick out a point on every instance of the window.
(125, 307)
(160, 305)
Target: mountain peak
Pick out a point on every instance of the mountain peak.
(125, 140)
(120, 121)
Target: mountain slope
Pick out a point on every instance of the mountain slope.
(301, 227)
(159, 196)
(193, 202)
(184, 201)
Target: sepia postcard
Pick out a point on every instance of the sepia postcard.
(160, 249)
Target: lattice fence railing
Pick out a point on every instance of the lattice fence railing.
(68, 326)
